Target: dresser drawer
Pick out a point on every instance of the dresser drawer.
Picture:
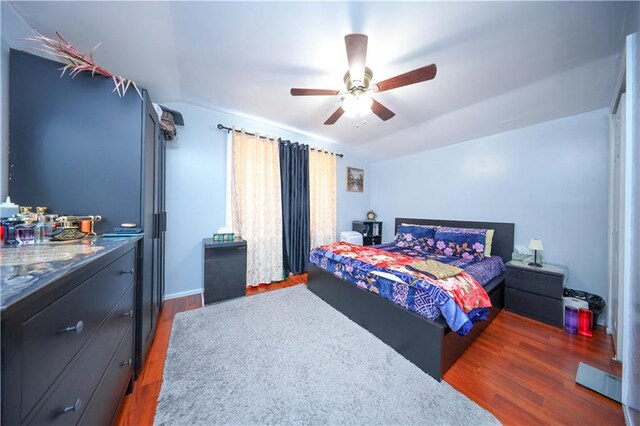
(74, 389)
(104, 403)
(535, 282)
(51, 338)
(534, 306)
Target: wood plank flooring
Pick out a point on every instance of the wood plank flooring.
(524, 372)
(293, 280)
(519, 369)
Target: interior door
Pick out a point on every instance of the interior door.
(617, 247)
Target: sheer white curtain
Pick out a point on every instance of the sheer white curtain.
(256, 206)
(323, 198)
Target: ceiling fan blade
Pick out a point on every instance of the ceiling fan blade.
(411, 77)
(314, 92)
(334, 117)
(356, 55)
(381, 111)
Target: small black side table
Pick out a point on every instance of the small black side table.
(371, 231)
(535, 292)
(225, 269)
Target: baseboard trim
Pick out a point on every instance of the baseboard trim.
(182, 294)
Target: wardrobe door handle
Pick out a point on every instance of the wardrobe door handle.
(127, 362)
(128, 313)
(77, 328)
(75, 408)
(130, 271)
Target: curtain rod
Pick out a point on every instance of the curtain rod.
(228, 129)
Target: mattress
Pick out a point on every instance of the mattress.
(421, 297)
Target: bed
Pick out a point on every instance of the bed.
(430, 344)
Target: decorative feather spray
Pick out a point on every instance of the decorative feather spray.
(78, 62)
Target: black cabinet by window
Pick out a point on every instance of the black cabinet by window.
(225, 269)
(370, 229)
(78, 148)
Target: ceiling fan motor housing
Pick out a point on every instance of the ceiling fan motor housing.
(362, 85)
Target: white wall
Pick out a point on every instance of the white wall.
(549, 179)
(14, 28)
(196, 173)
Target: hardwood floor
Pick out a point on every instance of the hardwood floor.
(524, 372)
(293, 280)
(519, 369)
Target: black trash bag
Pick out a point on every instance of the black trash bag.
(596, 303)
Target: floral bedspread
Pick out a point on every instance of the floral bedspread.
(483, 271)
(461, 300)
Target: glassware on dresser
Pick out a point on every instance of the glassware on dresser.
(25, 232)
(38, 231)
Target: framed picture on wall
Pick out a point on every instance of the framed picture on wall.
(355, 179)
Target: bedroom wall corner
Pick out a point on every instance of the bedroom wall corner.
(550, 179)
(196, 188)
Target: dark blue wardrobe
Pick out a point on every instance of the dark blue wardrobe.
(78, 148)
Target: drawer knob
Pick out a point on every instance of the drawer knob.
(77, 328)
(127, 362)
(130, 271)
(128, 313)
(73, 408)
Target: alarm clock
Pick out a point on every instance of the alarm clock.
(371, 215)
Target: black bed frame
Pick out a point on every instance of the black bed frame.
(429, 344)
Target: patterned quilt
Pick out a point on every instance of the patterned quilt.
(461, 300)
(483, 271)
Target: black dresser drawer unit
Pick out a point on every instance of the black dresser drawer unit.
(62, 343)
(82, 377)
(535, 292)
(65, 325)
(225, 270)
(113, 385)
(534, 306)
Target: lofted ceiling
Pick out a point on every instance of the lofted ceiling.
(501, 65)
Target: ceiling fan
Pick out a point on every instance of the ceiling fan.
(356, 98)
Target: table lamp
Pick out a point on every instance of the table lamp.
(535, 245)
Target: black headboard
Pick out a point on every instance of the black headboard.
(502, 238)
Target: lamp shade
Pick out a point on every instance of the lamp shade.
(357, 105)
(535, 244)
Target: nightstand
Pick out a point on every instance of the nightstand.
(225, 269)
(535, 292)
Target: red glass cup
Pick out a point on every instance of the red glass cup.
(585, 320)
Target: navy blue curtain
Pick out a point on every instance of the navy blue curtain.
(294, 173)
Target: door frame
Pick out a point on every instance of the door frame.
(614, 268)
(631, 266)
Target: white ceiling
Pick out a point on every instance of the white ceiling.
(244, 57)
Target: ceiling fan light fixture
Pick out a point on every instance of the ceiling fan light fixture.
(356, 101)
(357, 105)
